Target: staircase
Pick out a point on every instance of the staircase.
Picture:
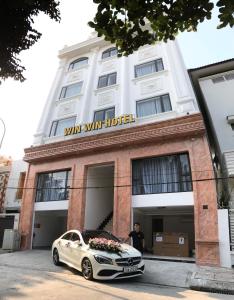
(109, 226)
(231, 218)
(107, 223)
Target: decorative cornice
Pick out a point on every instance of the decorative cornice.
(191, 125)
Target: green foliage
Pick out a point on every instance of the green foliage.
(134, 23)
(17, 33)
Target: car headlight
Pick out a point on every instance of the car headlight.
(103, 260)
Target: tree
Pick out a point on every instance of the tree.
(17, 33)
(131, 24)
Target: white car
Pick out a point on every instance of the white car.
(73, 249)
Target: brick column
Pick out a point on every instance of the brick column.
(205, 204)
(76, 209)
(27, 209)
(122, 196)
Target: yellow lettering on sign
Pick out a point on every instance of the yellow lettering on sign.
(77, 129)
(120, 120)
(89, 127)
(98, 125)
(72, 130)
(68, 131)
(114, 122)
(131, 118)
(108, 123)
(125, 119)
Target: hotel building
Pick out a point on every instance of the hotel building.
(121, 140)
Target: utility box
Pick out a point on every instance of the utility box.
(11, 240)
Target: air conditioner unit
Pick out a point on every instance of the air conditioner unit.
(11, 240)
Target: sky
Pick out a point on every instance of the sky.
(21, 104)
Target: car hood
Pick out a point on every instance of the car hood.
(128, 251)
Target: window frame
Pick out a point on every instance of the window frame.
(109, 50)
(76, 61)
(151, 61)
(66, 186)
(104, 111)
(56, 126)
(151, 98)
(179, 170)
(65, 88)
(107, 79)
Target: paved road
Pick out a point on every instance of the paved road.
(17, 282)
(31, 275)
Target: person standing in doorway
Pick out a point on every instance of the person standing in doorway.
(137, 238)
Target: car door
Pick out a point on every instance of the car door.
(75, 250)
(64, 245)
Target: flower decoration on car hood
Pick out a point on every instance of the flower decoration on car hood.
(105, 245)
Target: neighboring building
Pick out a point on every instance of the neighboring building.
(5, 168)
(121, 140)
(214, 86)
(15, 186)
(13, 176)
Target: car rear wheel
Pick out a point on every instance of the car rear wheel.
(87, 269)
(56, 257)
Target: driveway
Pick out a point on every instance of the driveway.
(157, 272)
(32, 275)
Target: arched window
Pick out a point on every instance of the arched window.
(109, 52)
(78, 63)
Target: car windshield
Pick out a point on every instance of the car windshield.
(89, 234)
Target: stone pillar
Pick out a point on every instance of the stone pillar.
(205, 204)
(122, 196)
(76, 209)
(27, 209)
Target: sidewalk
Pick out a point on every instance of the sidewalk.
(213, 279)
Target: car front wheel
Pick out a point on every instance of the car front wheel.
(56, 257)
(87, 269)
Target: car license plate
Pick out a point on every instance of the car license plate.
(130, 269)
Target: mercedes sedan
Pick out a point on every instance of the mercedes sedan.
(98, 255)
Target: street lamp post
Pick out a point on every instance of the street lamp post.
(4, 131)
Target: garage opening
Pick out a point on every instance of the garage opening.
(99, 198)
(169, 231)
(48, 226)
(6, 222)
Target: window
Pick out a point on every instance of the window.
(152, 106)
(107, 80)
(109, 52)
(52, 186)
(149, 67)
(102, 115)
(78, 63)
(58, 126)
(71, 90)
(67, 236)
(75, 237)
(165, 174)
(232, 126)
(19, 192)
